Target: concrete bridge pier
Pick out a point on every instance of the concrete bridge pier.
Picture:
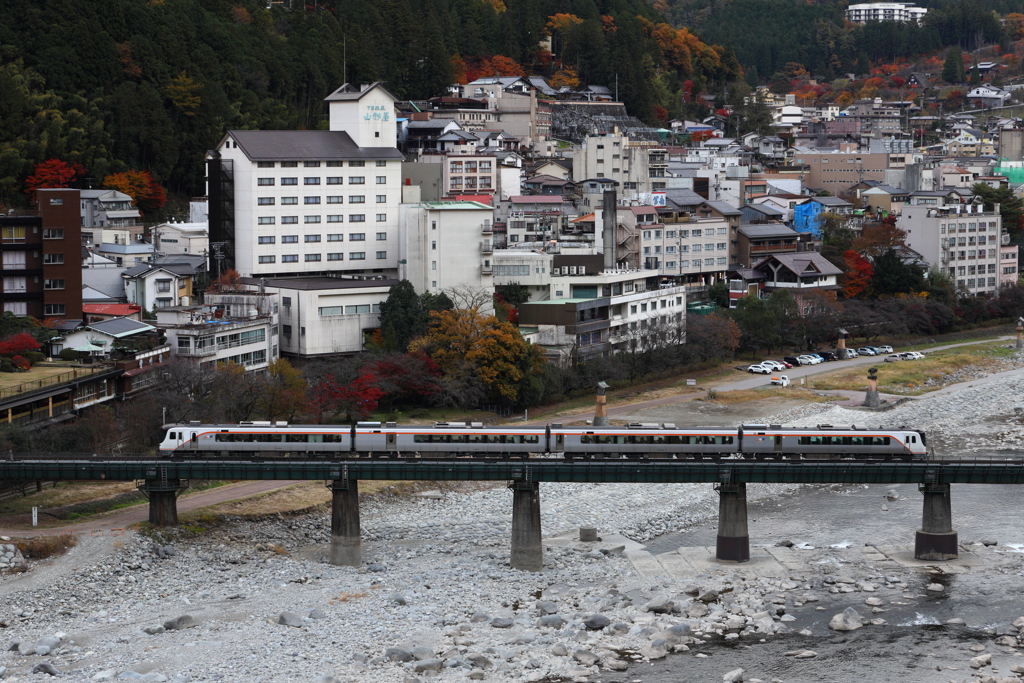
(527, 550)
(733, 539)
(936, 540)
(346, 544)
(163, 500)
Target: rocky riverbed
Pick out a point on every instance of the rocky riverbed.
(436, 598)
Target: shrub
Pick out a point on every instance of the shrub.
(6, 365)
(69, 354)
(34, 357)
(46, 546)
(20, 363)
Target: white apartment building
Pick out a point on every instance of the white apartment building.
(514, 100)
(109, 214)
(604, 313)
(310, 202)
(239, 327)
(447, 245)
(957, 236)
(885, 11)
(181, 238)
(639, 166)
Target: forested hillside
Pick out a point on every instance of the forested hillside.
(768, 34)
(152, 84)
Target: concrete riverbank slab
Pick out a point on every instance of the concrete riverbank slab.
(676, 565)
(761, 563)
(904, 556)
(645, 564)
(789, 558)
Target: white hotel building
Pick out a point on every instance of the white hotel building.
(885, 11)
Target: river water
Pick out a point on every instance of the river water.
(915, 644)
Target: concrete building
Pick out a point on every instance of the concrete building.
(639, 166)
(757, 241)
(885, 11)
(1008, 264)
(109, 214)
(603, 313)
(836, 171)
(532, 218)
(310, 202)
(231, 326)
(954, 233)
(41, 269)
(447, 245)
(182, 238)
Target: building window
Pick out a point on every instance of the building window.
(336, 256)
(264, 181)
(268, 259)
(265, 201)
(335, 180)
(289, 239)
(311, 164)
(335, 200)
(265, 220)
(381, 236)
(357, 237)
(286, 330)
(312, 257)
(289, 164)
(52, 259)
(53, 284)
(357, 218)
(356, 199)
(381, 162)
(289, 200)
(382, 198)
(357, 256)
(289, 220)
(335, 164)
(311, 200)
(433, 265)
(289, 181)
(310, 181)
(312, 219)
(382, 218)
(356, 164)
(53, 233)
(290, 258)
(382, 254)
(266, 240)
(53, 309)
(163, 285)
(357, 180)
(335, 237)
(265, 164)
(382, 180)
(312, 238)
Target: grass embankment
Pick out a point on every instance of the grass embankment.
(915, 377)
(790, 393)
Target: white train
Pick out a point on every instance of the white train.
(459, 439)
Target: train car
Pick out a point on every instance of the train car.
(453, 439)
(637, 440)
(252, 439)
(826, 442)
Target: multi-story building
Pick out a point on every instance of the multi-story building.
(231, 326)
(762, 239)
(159, 286)
(448, 245)
(310, 202)
(954, 232)
(594, 314)
(639, 166)
(109, 216)
(885, 11)
(41, 267)
(1008, 257)
(514, 100)
(533, 218)
(698, 246)
(181, 238)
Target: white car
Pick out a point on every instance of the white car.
(773, 364)
(809, 360)
(760, 369)
(912, 355)
(867, 351)
(893, 357)
(884, 349)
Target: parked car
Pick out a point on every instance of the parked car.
(828, 356)
(793, 360)
(809, 360)
(760, 369)
(912, 355)
(893, 357)
(781, 380)
(818, 356)
(883, 349)
(846, 354)
(784, 364)
(773, 364)
(867, 351)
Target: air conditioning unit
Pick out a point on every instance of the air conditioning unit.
(572, 270)
(583, 270)
(556, 271)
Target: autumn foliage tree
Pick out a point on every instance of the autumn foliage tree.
(53, 173)
(22, 342)
(146, 193)
(859, 272)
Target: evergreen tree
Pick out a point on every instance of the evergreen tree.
(863, 65)
(893, 276)
(953, 67)
(975, 75)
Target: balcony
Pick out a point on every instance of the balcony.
(486, 268)
(196, 353)
(771, 248)
(486, 227)
(1004, 239)
(486, 248)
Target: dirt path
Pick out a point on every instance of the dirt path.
(139, 513)
(44, 573)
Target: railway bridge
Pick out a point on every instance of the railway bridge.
(163, 480)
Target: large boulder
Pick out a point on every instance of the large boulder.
(848, 620)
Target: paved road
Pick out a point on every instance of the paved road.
(136, 514)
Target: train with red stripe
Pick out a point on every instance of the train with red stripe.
(460, 439)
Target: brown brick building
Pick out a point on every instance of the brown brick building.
(41, 258)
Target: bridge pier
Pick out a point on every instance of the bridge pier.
(346, 544)
(163, 500)
(936, 540)
(733, 539)
(527, 550)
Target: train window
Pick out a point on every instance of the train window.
(531, 438)
(673, 439)
(880, 440)
(268, 438)
(296, 438)
(420, 438)
(316, 438)
(727, 439)
(333, 438)
(586, 438)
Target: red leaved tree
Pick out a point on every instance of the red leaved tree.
(859, 272)
(22, 342)
(146, 193)
(53, 173)
(357, 399)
